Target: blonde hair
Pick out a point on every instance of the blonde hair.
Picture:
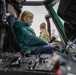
(26, 14)
(43, 25)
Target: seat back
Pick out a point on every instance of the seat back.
(11, 34)
(9, 41)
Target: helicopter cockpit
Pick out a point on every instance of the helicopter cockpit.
(58, 15)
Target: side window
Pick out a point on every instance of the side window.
(61, 23)
(54, 31)
(57, 25)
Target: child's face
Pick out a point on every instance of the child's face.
(28, 20)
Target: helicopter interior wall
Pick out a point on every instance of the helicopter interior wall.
(68, 13)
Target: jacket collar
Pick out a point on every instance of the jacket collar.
(19, 24)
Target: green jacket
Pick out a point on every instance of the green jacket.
(26, 37)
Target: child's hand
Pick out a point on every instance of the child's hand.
(53, 44)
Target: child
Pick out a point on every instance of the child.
(43, 32)
(26, 37)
